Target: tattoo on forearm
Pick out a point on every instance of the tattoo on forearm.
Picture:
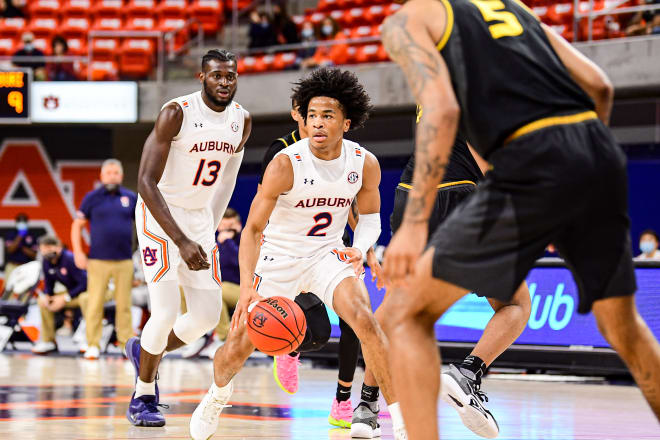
(355, 210)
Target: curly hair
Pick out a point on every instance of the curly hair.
(341, 85)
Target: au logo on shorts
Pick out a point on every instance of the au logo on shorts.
(353, 177)
(259, 320)
(149, 256)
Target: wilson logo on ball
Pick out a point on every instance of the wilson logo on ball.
(259, 320)
(273, 303)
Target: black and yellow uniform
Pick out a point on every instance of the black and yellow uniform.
(460, 180)
(558, 175)
(275, 147)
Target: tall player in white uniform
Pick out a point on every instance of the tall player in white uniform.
(302, 207)
(186, 178)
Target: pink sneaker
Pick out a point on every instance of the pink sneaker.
(285, 370)
(341, 413)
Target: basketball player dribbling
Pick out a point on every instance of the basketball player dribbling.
(537, 110)
(285, 367)
(187, 175)
(302, 208)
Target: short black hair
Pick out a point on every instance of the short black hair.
(49, 240)
(21, 216)
(59, 39)
(341, 85)
(650, 232)
(218, 54)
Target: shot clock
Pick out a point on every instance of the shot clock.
(14, 96)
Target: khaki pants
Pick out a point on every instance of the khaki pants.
(48, 317)
(99, 273)
(9, 268)
(230, 294)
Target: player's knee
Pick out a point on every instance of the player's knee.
(209, 316)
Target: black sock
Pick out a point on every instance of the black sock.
(473, 368)
(343, 393)
(369, 394)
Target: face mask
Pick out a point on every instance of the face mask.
(110, 187)
(647, 247)
(50, 256)
(22, 226)
(29, 47)
(307, 33)
(327, 29)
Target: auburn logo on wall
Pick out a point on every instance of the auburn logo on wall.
(48, 193)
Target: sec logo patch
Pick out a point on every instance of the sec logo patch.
(353, 177)
(234, 126)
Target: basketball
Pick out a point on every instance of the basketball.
(276, 325)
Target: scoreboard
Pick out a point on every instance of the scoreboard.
(14, 96)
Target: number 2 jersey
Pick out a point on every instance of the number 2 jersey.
(311, 217)
(504, 72)
(206, 141)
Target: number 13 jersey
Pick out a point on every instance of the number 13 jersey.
(199, 151)
(311, 217)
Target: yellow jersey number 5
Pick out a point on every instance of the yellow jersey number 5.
(493, 10)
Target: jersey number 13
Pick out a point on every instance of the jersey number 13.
(213, 170)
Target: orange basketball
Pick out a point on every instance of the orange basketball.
(276, 325)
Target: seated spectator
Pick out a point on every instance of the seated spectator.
(286, 31)
(58, 265)
(648, 244)
(60, 71)
(28, 49)
(308, 34)
(20, 245)
(328, 55)
(261, 31)
(8, 10)
(644, 22)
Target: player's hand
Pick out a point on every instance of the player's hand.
(247, 297)
(404, 250)
(376, 269)
(354, 259)
(194, 256)
(80, 260)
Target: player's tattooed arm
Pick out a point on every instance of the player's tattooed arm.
(409, 37)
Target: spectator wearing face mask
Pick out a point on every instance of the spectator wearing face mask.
(29, 50)
(648, 244)
(60, 71)
(308, 39)
(110, 212)
(328, 55)
(20, 245)
(261, 31)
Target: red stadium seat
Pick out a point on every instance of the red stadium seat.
(7, 46)
(45, 28)
(140, 9)
(298, 20)
(327, 5)
(260, 65)
(108, 9)
(136, 58)
(77, 46)
(338, 16)
(354, 17)
(269, 62)
(76, 9)
(374, 14)
(173, 24)
(382, 54)
(541, 12)
(316, 18)
(361, 32)
(12, 28)
(249, 64)
(43, 44)
(367, 53)
(74, 28)
(560, 13)
(346, 4)
(284, 60)
(392, 8)
(104, 49)
(107, 24)
(564, 30)
(140, 24)
(209, 14)
(103, 70)
(172, 9)
(44, 9)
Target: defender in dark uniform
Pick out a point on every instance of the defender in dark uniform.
(285, 367)
(537, 110)
(464, 171)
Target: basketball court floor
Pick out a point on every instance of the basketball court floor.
(52, 398)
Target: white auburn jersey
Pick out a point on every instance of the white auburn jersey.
(206, 141)
(312, 215)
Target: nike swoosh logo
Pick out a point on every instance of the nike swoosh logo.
(455, 401)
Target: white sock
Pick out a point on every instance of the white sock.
(395, 413)
(220, 393)
(145, 388)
